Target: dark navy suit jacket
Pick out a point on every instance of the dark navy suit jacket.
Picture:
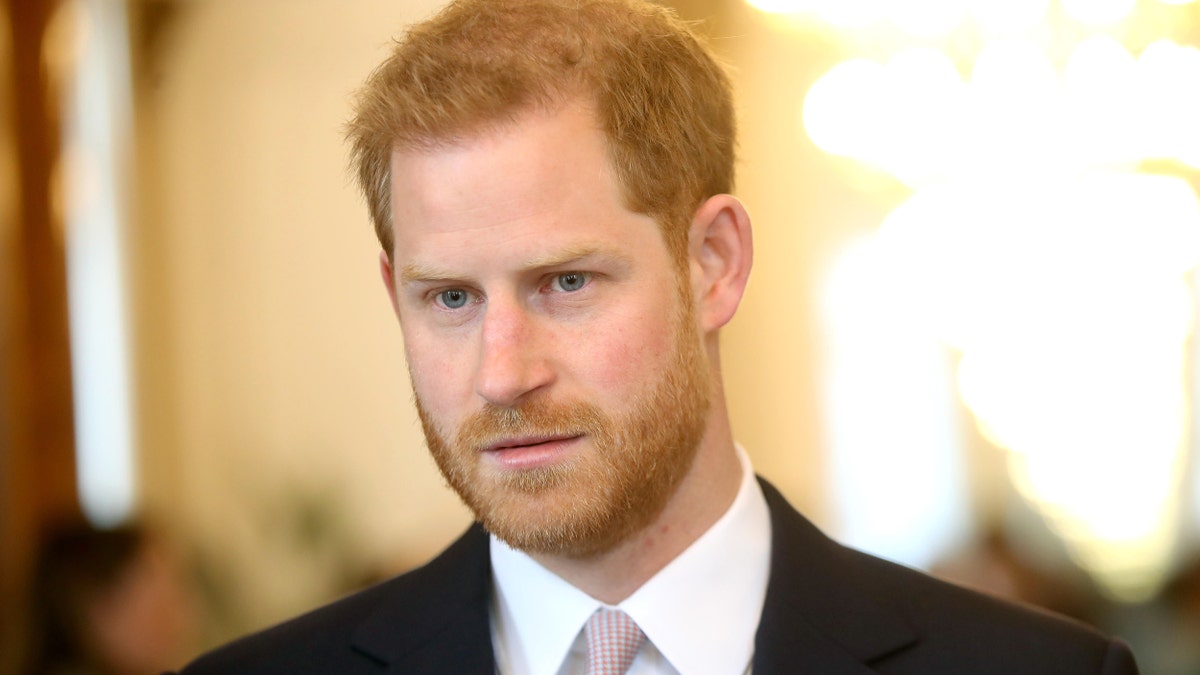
(829, 610)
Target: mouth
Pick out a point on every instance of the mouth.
(530, 451)
(526, 442)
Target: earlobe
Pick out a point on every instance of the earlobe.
(389, 280)
(722, 252)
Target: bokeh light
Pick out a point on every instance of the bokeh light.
(1169, 93)
(1016, 107)
(780, 6)
(840, 109)
(1101, 117)
(922, 116)
(1011, 16)
(1070, 305)
(1034, 247)
(1099, 12)
(927, 18)
(851, 14)
(883, 366)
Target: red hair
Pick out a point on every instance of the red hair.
(659, 95)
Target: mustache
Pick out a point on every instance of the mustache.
(492, 424)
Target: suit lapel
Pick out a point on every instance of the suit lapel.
(819, 615)
(435, 619)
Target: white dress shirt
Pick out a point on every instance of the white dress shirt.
(699, 613)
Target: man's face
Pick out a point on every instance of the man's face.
(554, 353)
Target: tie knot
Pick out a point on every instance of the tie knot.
(612, 641)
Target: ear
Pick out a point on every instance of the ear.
(721, 252)
(389, 280)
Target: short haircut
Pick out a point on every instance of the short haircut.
(659, 95)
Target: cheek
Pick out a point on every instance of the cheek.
(440, 373)
(621, 358)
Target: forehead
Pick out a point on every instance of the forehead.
(544, 179)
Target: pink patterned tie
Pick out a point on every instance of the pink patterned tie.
(612, 641)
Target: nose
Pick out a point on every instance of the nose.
(513, 361)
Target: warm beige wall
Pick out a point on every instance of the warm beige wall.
(269, 364)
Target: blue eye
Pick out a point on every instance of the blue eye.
(571, 281)
(454, 298)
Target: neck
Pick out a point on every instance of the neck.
(705, 494)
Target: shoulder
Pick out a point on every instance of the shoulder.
(311, 643)
(901, 620)
(982, 633)
(362, 632)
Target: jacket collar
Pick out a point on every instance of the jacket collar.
(435, 619)
(820, 615)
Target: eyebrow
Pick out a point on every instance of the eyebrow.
(422, 273)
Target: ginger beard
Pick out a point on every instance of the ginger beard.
(610, 488)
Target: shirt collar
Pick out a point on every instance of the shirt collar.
(535, 613)
(720, 580)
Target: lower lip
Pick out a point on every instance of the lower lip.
(532, 456)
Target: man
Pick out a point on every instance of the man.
(549, 180)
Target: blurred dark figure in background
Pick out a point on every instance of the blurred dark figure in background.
(1168, 629)
(108, 602)
(995, 566)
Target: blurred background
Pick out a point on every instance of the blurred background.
(968, 344)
